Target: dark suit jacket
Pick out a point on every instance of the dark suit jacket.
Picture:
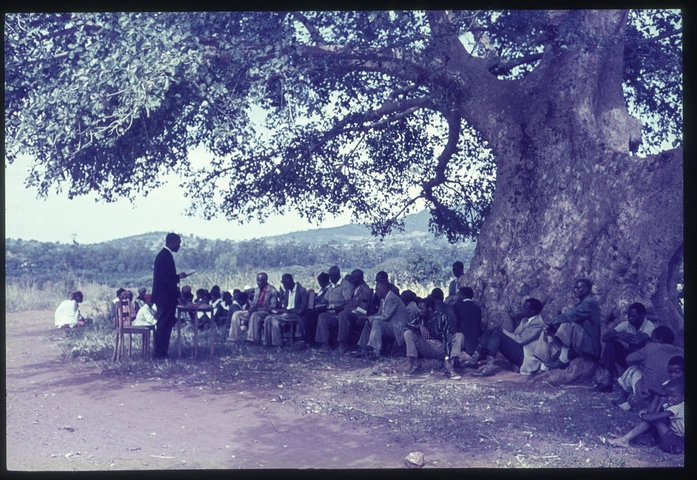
(469, 323)
(301, 298)
(164, 282)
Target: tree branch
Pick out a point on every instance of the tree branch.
(314, 33)
(505, 68)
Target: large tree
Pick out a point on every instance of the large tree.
(542, 134)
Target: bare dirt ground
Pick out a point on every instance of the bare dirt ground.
(297, 410)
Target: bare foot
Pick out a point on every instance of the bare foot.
(619, 442)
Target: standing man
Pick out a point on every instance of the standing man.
(165, 293)
(578, 328)
(454, 287)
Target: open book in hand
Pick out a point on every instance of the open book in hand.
(360, 311)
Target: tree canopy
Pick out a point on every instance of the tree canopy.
(371, 111)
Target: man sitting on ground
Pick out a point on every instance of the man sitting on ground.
(578, 328)
(68, 312)
(469, 318)
(387, 324)
(627, 337)
(293, 306)
(429, 334)
(648, 367)
(517, 347)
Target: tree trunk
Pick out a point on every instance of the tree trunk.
(571, 201)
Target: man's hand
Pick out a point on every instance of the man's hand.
(424, 331)
(625, 337)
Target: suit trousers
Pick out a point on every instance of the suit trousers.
(166, 319)
(348, 321)
(495, 341)
(327, 324)
(374, 333)
(273, 327)
(256, 324)
(235, 333)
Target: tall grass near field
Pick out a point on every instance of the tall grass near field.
(23, 295)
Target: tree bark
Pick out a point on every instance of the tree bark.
(571, 201)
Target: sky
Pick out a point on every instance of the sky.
(58, 219)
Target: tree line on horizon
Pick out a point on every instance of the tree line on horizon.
(129, 262)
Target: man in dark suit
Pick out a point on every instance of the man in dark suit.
(469, 319)
(165, 293)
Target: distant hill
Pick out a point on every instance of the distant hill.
(415, 231)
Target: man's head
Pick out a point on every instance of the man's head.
(124, 294)
(676, 367)
(675, 391)
(635, 314)
(466, 292)
(356, 277)
(287, 281)
(437, 294)
(323, 279)
(242, 298)
(582, 288)
(334, 274)
(407, 297)
(77, 296)
(148, 298)
(382, 288)
(262, 280)
(458, 269)
(531, 307)
(426, 307)
(186, 289)
(173, 241)
(663, 334)
(227, 298)
(141, 292)
(119, 292)
(381, 276)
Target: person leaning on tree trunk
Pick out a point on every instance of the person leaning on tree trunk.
(577, 329)
(627, 337)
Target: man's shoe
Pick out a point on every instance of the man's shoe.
(485, 371)
(414, 370)
(453, 375)
(456, 362)
(363, 353)
(471, 362)
(603, 387)
(551, 365)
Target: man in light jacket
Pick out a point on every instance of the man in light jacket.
(388, 323)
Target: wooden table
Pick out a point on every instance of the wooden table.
(192, 310)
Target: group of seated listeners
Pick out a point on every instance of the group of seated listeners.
(346, 314)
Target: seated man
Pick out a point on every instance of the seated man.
(239, 302)
(220, 314)
(320, 305)
(627, 337)
(517, 347)
(353, 316)
(469, 318)
(265, 299)
(68, 312)
(375, 301)
(648, 367)
(146, 313)
(293, 306)
(340, 291)
(411, 301)
(437, 295)
(578, 328)
(139, 301)
(429, 335)
(387, 324)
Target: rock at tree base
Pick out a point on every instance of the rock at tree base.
(414, 460)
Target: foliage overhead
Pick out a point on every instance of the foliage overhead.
(313, 111)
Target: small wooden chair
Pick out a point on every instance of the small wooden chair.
(124, 319)
(294, 323)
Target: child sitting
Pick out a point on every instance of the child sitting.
(669, 422)
(676, 370)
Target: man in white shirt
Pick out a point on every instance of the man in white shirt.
(627, 337)
(68, 312)
(146, 313)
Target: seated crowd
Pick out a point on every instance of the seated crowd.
(346, 314)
